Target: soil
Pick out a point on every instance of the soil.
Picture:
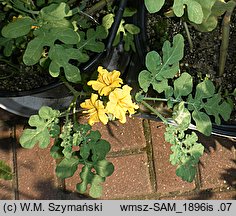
(28, 78)
(24, 79)
(204, 58)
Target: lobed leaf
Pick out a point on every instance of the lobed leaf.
(194, 9)
(92, 40)
(159, 68)
(42, 123)
(60, 57)
(46, 38)
(212, 9)
(94, 180)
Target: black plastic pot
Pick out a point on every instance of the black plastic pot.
(88, 67)
(226, 129)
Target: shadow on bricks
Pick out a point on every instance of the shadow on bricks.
(229, 175)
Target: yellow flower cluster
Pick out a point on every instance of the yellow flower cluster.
(119, 99)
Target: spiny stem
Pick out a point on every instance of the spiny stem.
(154, 111)
(225, 40)
(161, 99)
(155, 99)
(188, 37)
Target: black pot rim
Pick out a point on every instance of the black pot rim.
(91, 64)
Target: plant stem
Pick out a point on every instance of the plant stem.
(155, 99)
(154, 111)
(225, 40)
(98, 6)
(188, 37)
(72, 90)
(161, 99)
(9, 63)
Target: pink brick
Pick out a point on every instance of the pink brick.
(6, 190)
(218, 165)
(36, 170)
(167, 181)
(126, 136)
(130, 178)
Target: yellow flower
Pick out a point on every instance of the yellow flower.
(120, 102)
(95, 110)
(106, 82)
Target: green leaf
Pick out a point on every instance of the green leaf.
(186, 171)
(18, 28)
(182, 116)
(56, 150)
(160, 86)
(212, 10)
(175, 157)
(209, 20)
(60, 57)
(42, 124)
(88, 177)
(153, 61)
(170, 134)
(234, 92)
(31, 137)
(104, 168)
(132, 29)
(203, 122)
(8, 45)
(67, 139)
(194, 9)
(5, 171)
(96, 189)
(46, 113)
(108, 20)
(54, 130)
(154, 6)
(144, 80)
(54, 12)
(183, 85)
(46, 38)
(85, 150)
(129, 12)
(214, 106)
(67, 167)
(92, 41)
(93, 137)
(100, 150)
(196, 151)
(129, 42)
(204, 89)
(165, 68)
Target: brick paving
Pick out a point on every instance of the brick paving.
(142, 169)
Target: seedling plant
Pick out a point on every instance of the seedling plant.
(52, 37)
